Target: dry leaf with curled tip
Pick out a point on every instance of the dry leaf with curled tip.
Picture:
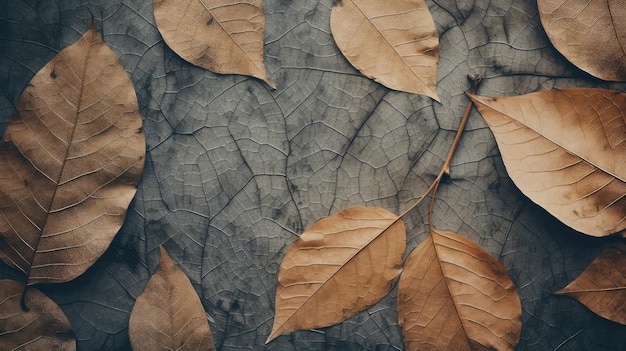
(42, 327)
(393, 42)
(565, 150)
(338, 267)
(602, 285)
(168, 315)
(70, 161)
(590, 34)
(453, 295)
(223, 36)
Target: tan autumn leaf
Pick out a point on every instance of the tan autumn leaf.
(338, 267)
(393, 42)
(223, 36)
(168, 315)
(70, 161)
(42, 327)
(590, 34)
(453, 295)
(565, 150)
(602, 285)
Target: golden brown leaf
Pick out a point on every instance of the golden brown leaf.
(393, 42)
(565, 150)
(590, 34)
(223, 36)
(70, 163)
(42, 327)
(602, 285)
(168, 315)
(453, 295)
(339, 266)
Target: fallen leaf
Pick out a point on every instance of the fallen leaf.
(602, 285)
(565, 150)
(42, 327)
(393, 42)
(223, 36)
(70, 162)
(590, 34)
(453, 295)
(338, 267)
(168, 315)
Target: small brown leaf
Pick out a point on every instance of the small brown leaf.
(590, 34)
(70, 163)
(393, 42)
(602, 285)
(341, 265)
(223, 36)
(168, 315)
(43, 327)
(453, 295)
(565, 150)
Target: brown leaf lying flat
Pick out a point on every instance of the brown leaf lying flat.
(393, 42)
(602, 285)
(453, 295)
(223, 36)
(341, 265)
(43, 327)
(70, 163)
(590, 34)
(565, 150)
(168, 315)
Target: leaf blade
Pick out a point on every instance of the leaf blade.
(601, 287)
(565, 150)
(325, 260)
(402, 32)
(168, 315)
(201, 32)
(75, 146)
(454, 295)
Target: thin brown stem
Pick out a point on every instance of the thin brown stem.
(445, 169)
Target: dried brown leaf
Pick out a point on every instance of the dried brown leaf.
(223, 36)
(168, 315)
(602, 285)
(453, 295)
(393, 42)
(339, 266)
(70, 163)
(42, 327)
(565, 150)
(590, 34)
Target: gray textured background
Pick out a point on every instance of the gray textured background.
(235, 171)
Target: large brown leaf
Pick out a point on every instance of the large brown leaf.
(453, 295)
(42, 327)
(591, 34)
(602, 285)
(168, 315)
(223, 36)
(393, 42)
(341, 265)
(70, 161)
(565, 150)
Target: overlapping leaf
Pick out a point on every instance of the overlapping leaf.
(565, 150)
(168, 315)
(453, 295)
(223, 36)
(602, 285)
(339, 266)
(590, 34)
(70, 162)
(393, 42)
(42, 327)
